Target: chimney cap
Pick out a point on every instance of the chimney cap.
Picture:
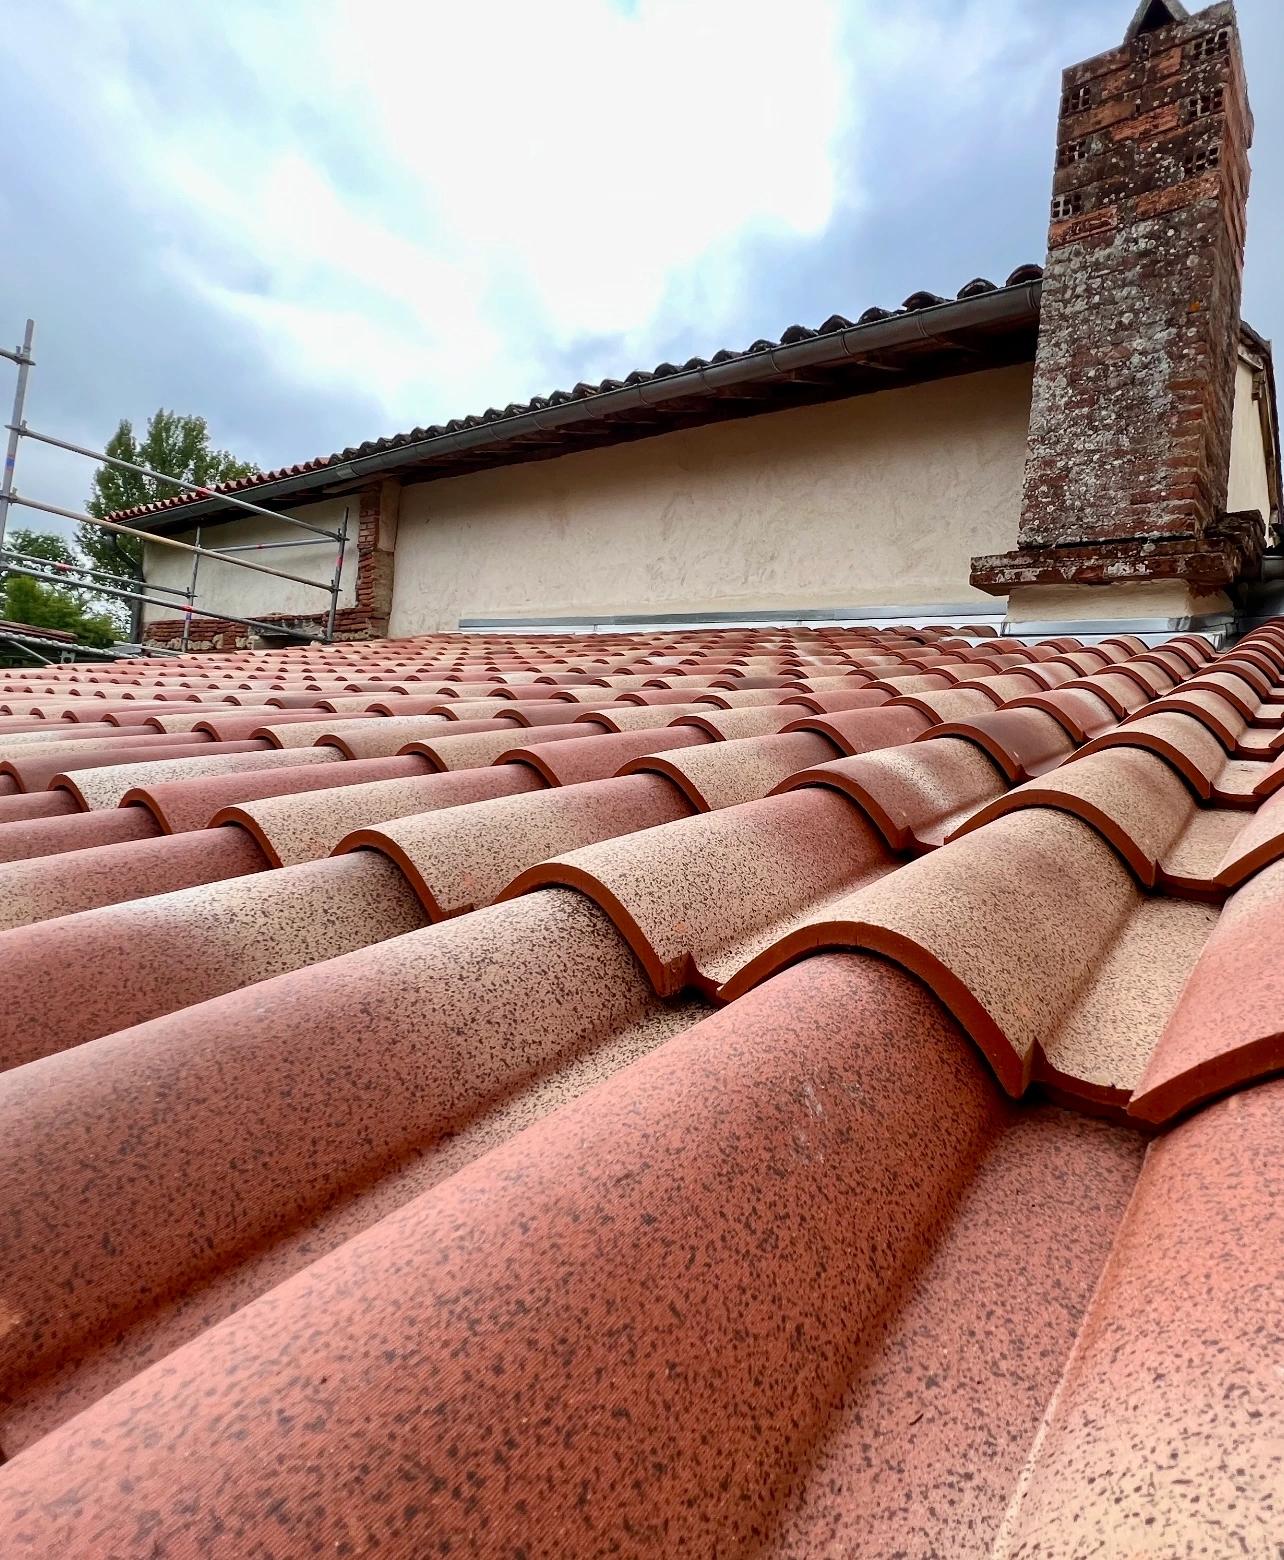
(1153, 14)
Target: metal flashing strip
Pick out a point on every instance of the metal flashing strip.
(919, 616)
(1214, 626)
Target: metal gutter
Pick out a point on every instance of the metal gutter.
(1005, 306)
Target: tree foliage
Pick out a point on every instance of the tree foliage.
(65, 606)
(176, 444)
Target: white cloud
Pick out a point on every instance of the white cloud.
(427, 198)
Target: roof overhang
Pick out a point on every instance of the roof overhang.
(988, 330)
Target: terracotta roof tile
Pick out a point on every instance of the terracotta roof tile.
(917, 793)
(697, 899)
(466, 859)
(1173, 1356)
(862, 730)
(1022, 742)
(307, 826)
(180, 805)
(745, 769)
(1053, 865)
(601, 755)
(258, 1141)
(76, 831)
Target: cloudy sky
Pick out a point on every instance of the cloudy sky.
(318, 221)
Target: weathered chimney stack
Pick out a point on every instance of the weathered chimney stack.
(1134, 382)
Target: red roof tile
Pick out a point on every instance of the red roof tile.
(258, 1111)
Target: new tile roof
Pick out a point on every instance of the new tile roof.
(1010, 330)
(791, 1092)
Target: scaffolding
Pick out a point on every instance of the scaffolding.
(104, 582)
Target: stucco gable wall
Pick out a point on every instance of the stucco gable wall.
(874, 501)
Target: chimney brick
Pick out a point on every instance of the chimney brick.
(1130, 425)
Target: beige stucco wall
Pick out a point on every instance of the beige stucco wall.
(1249, 486)
(221, 587)
(880, 500)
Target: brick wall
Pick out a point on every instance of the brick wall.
(1134, 385)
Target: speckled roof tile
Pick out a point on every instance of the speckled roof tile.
(819, 1106)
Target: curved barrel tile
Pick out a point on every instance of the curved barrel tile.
(953, 704)
(386, 738)
(601, 756)
(1153, 680)
(238, 727)
(1132, 798)
(1228, 1027)
(77, 977)
(1129, 644)
(554, 713)
(465, 859)
(76, 831)
(1240, 688)
(54, 886)
(741, 699)
(1097, 1050)
(1048, 674)
(38, 773)
(25, 806)
(1115, 689)
(1257, 843)
(1051, 895)
(180, 805)
(916, 793)
(1164, 1437)
(304, 734)
(697, 899)
(106, 787)
(833, 700)
(658, 697)
(1083, 713)
(1022, 743)
(1210, 708)
(1181, 740)
(474, 749)
(729, 725)
(999, 687)
(296, 828)
(725, 1177)
(745, 769)
(898, 684)
(639, 717)
(263, 1130)
(864, 731)
(64, 737)
(202, 718)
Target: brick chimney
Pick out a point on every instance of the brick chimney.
(1134, 380)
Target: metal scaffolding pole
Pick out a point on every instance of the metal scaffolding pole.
(153, 601)
(185, 638)
(50, 573)
(83, 568)
(334, 582)
(160, 541)
(23, 358)
(18, 429)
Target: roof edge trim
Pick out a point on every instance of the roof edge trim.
(1004, 306)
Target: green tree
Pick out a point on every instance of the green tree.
(41, 605)
(176, 444)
